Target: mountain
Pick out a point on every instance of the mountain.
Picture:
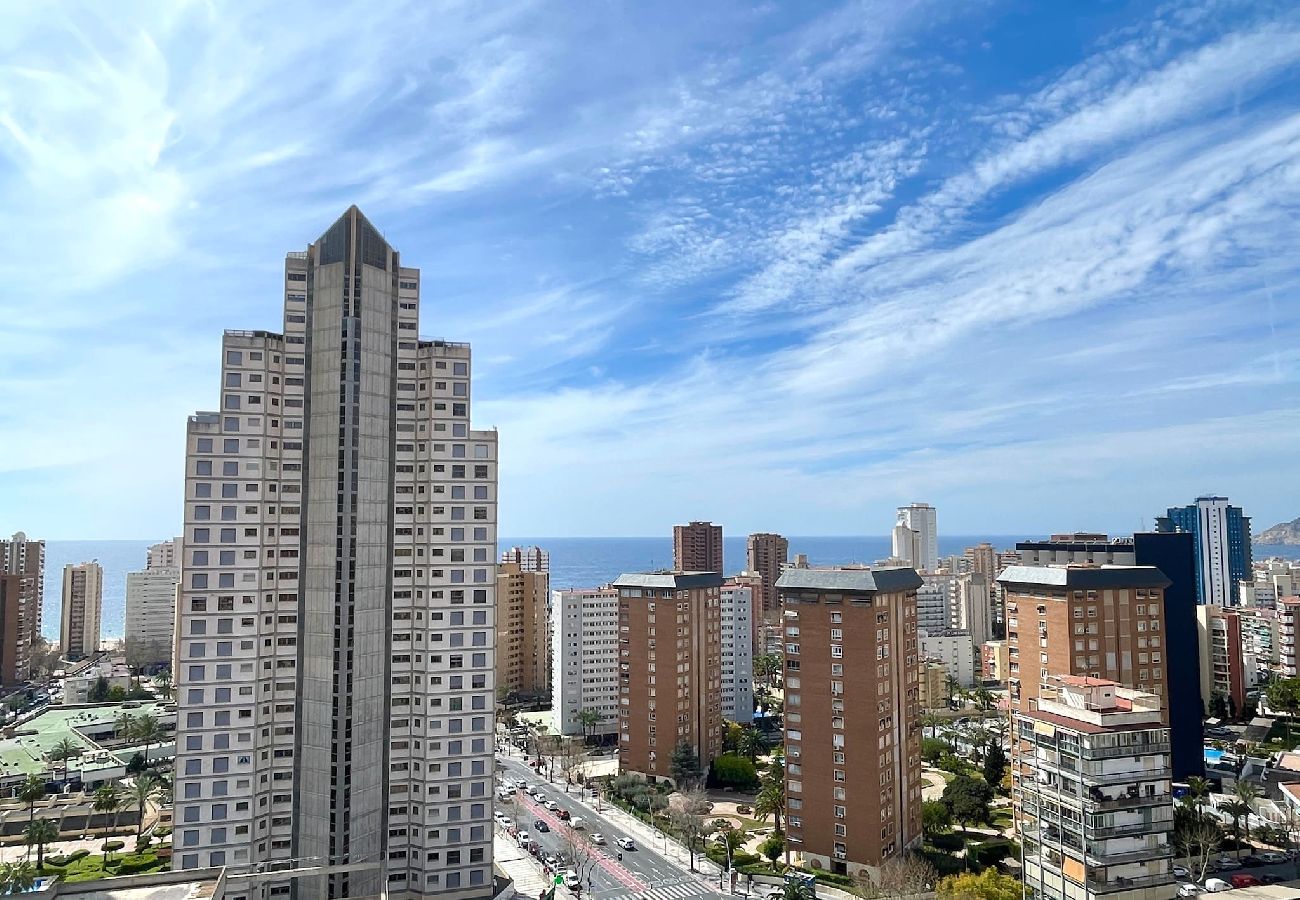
(1285, 533)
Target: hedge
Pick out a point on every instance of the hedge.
(78, 854)
(136, 862)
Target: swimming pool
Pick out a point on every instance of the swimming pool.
(1213, 756)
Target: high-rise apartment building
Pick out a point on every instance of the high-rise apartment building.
(972, 610)
(669, 670)
(529, 559)
(1090, 787)
(523, 638)
(1100, 621)
(584, 661)
(954, 649)
(983, 559)
(1288, 622)
(853, 770)
(83, 598)
(335, 675)
(936, 600)
(13, 643)
(921, 549)
(766, 553)
(1222, 539)
(697, 547)
(26, 559)
(1174, 555)
(738, 652)
(151, 608)
(1223, 671)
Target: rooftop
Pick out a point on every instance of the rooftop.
(25, 752)
(677, 580)
(1084, 577)
(860, 581)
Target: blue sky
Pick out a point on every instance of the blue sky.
(784, 266)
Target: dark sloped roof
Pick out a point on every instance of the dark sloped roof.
(1085, 577)
(861, 581)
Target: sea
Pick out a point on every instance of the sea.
(576, 562)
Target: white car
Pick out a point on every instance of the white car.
(578, 822)
(552, 805)
(572, 881)
(1182, 872)
(1189, 889)
(598, 838)
(1273, 856)
(625, 844)
(520, 783)
(1215, 885)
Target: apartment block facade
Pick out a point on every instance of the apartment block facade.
(916, 536)
(1221, 533)
(766, 554)
(669, 670)
(1104, 622)
(25, 559)
(151, 608)
(529, 559)
(584, 660)
(1288, 623)
(13, 644)
(83, 599)
(1091, 784)
(335, 677)
(1223, 663)
(738, 609)
(852, 716)
(697, 547)
(523, 639)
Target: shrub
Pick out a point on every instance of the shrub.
(58, 860)
(741, 858)
(949, 843)
(743, 810)
(78, 854)
(933, 748)
(137, 862)
(50, 869)
(112, 846)
(989, 853)
(733, 770)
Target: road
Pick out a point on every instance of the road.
(642, 873)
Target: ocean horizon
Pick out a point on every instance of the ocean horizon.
(576, 562)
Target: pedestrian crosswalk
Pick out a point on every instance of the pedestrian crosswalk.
(686, 890)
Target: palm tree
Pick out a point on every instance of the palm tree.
(952, 686)
(588, 718)
(932, 721)
(753, 743)
(1198, 789)
(143, 789)
(16, 877)
(1236, 809)
(123, 724)
(108, 800)
(1245, 793)
(31, 790)
(39, 833)
(146, 730)
(984, 697)
(163, 682)
(63, 751)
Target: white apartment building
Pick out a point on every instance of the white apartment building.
(972, 610)
(336, 637)
(151, 608)
(83, 598)
(954, 650)
(922, 550)
(584, 659)
(529, 559)
(936, 599)
(1091, 780)
(738, 653)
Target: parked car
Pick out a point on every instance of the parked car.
(1250, 860)
(1226, 864)
(1182, 872)
(541, 826)
(572, 881)
(1273, 856)
(521, 783)
(625, 844)
(598, 838)
(1215, 885)
(551, 805)
(1241, 881)
(565, 815)
(525, 841)
(1189, 889)
(550, 860)
(1270, 878)
(577, 822)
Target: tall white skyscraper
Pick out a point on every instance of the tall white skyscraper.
(738, 652)
(529, 559)
(151, 607)
(922, 549)
(335, 656)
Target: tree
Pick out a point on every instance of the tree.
(767, 666)
(685, 765)
(147, 731)
(797, 889)
(771, 795)
(901, 876)
(588, 718)
(953, 687)
(579, 851)
(163, 682)
(968, 800)
(17, 877)
(1244, 794)
(753, 744)
(984, 699)
(932, 721)
(572, 755)
(123, 724)
(98, 692)
(995, 765)
(143, 789)
(116, 694)
(1284, 696)
(1198, 789)
(37, 834)
(935, 817)
(63, 751)
(988, 885)
(773, 846)
(108, 800)
(731, 770)
(1197, 836)
(687, 819)
(1218, 706)
(1237, 810)
(31, 790)
(933, 749)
